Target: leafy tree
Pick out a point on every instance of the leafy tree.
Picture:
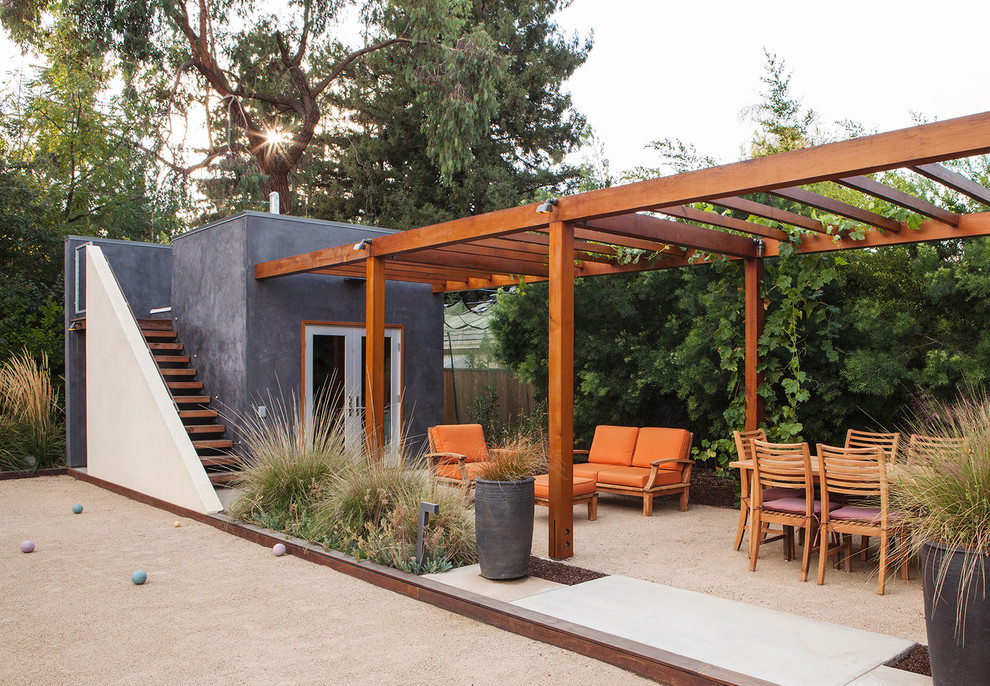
(261, 78)
(72, 164)
(380, 165)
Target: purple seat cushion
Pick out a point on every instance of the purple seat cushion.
(791, 506)
(861, 513)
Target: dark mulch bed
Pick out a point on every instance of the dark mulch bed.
(915, 661)
(708, 489)
(561, 573)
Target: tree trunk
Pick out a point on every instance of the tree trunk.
(278, 181)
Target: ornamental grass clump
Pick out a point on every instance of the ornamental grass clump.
(31, 432)
(305, 481)
(515, 459)
(942, 495)
(373, 514)
(290, 465)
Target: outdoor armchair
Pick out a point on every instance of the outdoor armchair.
(859, 475)
(744, 443)
(458, 452)
(783, 465)
(888, 442)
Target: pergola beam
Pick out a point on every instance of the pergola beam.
(714, 219)
(775, 214)
(676, 233)
(867, 185)
(970, 226)
(956, 182)
(949, 139)
(837, 207)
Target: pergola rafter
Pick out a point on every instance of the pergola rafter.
(592, 234)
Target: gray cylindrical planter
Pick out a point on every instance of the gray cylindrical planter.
(503, 519)
(956, 660)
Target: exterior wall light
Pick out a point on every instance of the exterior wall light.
(363, 245)
(547, 206)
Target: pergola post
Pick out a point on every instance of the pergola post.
(374, 357)
(753, 272)
(561, 390)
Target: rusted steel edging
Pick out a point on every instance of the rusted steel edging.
(644, 660)
(31, 473)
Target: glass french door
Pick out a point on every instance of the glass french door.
(334, 364)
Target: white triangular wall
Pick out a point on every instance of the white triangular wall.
(134, 435)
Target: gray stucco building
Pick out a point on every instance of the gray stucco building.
(251, 341)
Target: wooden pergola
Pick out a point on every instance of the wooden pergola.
(582, 235)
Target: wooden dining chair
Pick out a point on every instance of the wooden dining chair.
(888, 442)
(744, 441)
(858, 474)
(923, 448)
(783, 465)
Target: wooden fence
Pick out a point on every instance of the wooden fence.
(464, 389)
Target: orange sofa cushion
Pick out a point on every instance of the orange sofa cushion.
(613, 445)
(656, 443)
(587, 470)
(464, 439)
(636, 477)
(581, 486)
(450, 471)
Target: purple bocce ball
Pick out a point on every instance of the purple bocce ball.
(278, 549)
(27, 547)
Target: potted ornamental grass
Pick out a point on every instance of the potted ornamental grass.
(942, 497)
(504, 504)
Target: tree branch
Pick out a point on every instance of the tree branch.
(350, 57)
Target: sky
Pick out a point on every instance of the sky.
(688, 69)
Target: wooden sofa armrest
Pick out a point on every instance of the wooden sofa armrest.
(655, 467)
(682, 460)
(581, 452)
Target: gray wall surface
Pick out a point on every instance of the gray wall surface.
(246, 335)
(144, 272)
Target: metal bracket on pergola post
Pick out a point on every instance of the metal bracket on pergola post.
(521, 244)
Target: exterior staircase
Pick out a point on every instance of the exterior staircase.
(201, 422)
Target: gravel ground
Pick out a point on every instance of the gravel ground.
(217, 609)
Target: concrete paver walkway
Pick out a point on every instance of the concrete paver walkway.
(765, 644)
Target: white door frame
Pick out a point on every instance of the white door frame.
(353, 335)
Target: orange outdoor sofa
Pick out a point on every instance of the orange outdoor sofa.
(644, 462)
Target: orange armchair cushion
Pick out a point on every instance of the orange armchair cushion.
(581, 486)
(613, 445)
(464, 439)
(656, 443)
(450, 471)
(636, 477)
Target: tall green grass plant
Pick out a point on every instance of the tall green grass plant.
(31, 430)
(943, 495)
(305, 481)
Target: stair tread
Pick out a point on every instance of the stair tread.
(191, 399)
(157, 333)
(155, 324)
(164, 346)
(180, 385)
(214, 443)
(176, 359)
(220, 460)
(205, 428)
(221, 478)
(198, 414)
(177, 371)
